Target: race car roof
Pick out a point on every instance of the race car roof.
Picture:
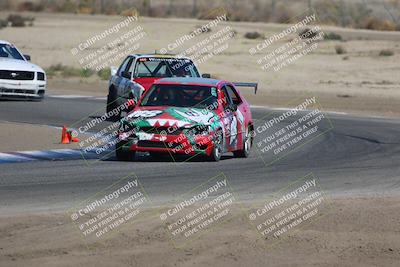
(158, 56)
(4, 42)
(189, 80)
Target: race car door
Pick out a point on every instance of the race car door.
(126, 78)
(230, 119)
(240, 113)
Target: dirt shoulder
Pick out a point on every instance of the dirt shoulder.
(360, 105)
(357, 104)
(75, 86)
(22, 137)
(359, 81)
(355, 232)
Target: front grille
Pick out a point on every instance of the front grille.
(161, 130)
(157, 144)
(17, 75)
(18, 91)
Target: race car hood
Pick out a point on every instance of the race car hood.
(18, 65)
(171, 117)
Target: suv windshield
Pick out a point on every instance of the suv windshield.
(165, 67)
(181, 96)
(10, 51)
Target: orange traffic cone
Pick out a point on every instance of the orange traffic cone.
(65, 139)
(71, 137)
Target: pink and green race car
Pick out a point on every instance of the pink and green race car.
(188, 116)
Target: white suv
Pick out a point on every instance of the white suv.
(18, 77)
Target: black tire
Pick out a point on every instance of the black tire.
(154, 154)
(216, 153)
(112, 104)
(36, 99)
(247, 143)
(124, 154)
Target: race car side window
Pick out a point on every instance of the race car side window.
(233, 95)
(129, 66)
(226, 100)
(124, 65)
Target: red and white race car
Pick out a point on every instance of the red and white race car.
(192, 116)
(138, 72)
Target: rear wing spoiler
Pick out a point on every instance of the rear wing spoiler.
(255, 85)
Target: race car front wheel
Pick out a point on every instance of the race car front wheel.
(112, 105)
(216, 152)
(123, 153)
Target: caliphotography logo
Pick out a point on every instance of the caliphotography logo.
(199, 212)
(104, 214)
(280, 133)
(292, 208)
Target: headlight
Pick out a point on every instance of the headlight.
(200, 130)
(41, 76)
(126, 131)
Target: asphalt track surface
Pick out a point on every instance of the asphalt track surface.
(358, 157)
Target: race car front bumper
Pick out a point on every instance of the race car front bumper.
(22, 89)
(172, 144)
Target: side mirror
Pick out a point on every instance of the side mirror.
(206, 75)
(126, 74)
(113, 71)
(27, 57)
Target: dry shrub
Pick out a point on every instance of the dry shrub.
(3, 23)
(67, 7)
(211, 14)
(86, 10)
(30, 6)
(386, 53)
(340, 50)
(158, 12)
(252, 35)
(283, 15)
(333, 36)
(379, 25)
(129, 12)
(357, 14)
(19, 21)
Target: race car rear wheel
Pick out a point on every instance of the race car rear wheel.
(247, 143)
(123, 153)
(158, 155)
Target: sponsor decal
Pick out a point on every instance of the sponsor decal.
(144, 113)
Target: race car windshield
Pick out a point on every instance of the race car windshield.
(9, 51)
(154, 67)
(181, 96)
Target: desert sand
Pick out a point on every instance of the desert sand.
(355, 232)
(359, 81)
